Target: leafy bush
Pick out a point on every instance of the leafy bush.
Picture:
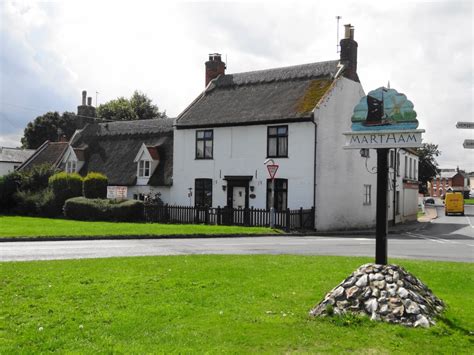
(36, 179)
(41, 203)
(85, 209)
(95, 185)
(8, 186)
(65, 186)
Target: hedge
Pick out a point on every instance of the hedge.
(95, 185)
(65, 186)
(85, 209)
(40, 203)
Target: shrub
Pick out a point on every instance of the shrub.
(95, 185)
(8, 186)
(40, 203)
(65, 186)
(85, 209)
(36, 179)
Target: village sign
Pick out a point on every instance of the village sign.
(382, 120)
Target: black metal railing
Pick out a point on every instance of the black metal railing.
(250, 217)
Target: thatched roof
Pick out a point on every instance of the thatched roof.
(111, 147)
(257, 97)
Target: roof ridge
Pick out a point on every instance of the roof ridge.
(282, 68)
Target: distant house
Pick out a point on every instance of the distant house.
(134, 154)
(53, 152)
(47, 153)
(450, 180)
(12, 158)
(403, 185)
(294, 116)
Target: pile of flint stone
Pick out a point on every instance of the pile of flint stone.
(385, 293)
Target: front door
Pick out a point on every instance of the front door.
(238, 197)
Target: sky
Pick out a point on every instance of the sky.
(52, 50)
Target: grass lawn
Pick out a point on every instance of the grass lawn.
(32, 227)
(214, 304)
(469, 201)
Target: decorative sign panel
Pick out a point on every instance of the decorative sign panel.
(384, 118)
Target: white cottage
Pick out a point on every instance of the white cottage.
(292, 115)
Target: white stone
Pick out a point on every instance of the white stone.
(402, 292)
(371, 305)
(422, 322)
(338, 291)
(362, 282)
(379, 277)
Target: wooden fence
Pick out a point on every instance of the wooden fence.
(250, 217)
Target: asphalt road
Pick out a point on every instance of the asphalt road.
(446, 238)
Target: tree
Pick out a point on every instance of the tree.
(50, 126)
(427, 167)
(138, 107)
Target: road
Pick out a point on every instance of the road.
(446, 238)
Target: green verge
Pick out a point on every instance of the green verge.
(469, 201)
(32, 227)
(213, 304)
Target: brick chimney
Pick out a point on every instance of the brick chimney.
(85, 112)
(214, 67)
(349, 53)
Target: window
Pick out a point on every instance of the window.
(143, 168)
(397, 203)
(410, 169)
(71, 167)
(204, 144)
(203, 192)
(415, 169)
(367, 194)
(398, 164)
(406, 167)
(392, 159)
(281, 194)
(277, 142)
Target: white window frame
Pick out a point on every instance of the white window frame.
(71, 166)
(144, 166)
(367, 195)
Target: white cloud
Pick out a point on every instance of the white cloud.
(51, 51)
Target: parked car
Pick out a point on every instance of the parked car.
(430, 201)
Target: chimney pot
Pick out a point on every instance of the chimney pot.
(84, 94)
(349, 53)
(214, 67)
(89, 101)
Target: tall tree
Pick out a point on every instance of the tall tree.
(427, 168)
(50, 126)
(138, 107)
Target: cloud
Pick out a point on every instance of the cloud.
(51, 51)
(34, 75)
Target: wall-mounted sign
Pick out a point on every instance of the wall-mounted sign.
(384, 118)
(117, 192)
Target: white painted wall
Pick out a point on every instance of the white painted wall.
(7, 167)
(242, 151)
(341, 174)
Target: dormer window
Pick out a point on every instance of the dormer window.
(71, 166)
(144, 167)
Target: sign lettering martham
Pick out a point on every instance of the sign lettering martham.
(383, 139)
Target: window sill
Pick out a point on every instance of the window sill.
(203, 158)
(277, 157)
